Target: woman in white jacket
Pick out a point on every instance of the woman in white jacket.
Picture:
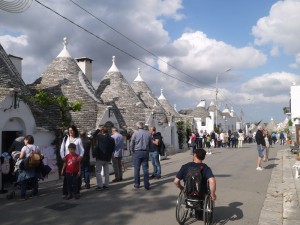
(240, 138)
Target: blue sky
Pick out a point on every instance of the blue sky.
(258, 39)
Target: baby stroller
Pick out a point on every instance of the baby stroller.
(19, 174)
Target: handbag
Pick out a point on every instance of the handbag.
(33, 160)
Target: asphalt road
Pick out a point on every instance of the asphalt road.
(241, 192)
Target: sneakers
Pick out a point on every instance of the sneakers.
(101, 188)
(259, 168)
(116, 180)
(152, 176)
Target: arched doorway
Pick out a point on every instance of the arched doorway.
(10, 131)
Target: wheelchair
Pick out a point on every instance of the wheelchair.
(187, 208)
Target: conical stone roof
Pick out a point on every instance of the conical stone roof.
(200, 112)
(64, 77)
(271, 126)
(146, 96)
(167, 106)
(11, 81)
(116, 91)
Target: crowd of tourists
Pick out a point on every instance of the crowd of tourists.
(108, 147)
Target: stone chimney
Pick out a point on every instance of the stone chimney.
(17, 61)
(85, 65)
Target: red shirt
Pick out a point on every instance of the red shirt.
(72, 165)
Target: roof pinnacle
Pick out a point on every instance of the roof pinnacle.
(139, 78)
(64, 53)
(113, 67)
(161, 95)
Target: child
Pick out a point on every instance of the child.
(208, 140)
(72, 167)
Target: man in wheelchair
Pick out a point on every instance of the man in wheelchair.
(199, 190)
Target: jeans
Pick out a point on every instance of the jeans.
(200, 143)
(141, 158)
(72, 183)
(65, 186)
(261, 151)
(98, 170)
(117, 165)
(85, 174)
(233, 143)
(33, 183)
(154, 156)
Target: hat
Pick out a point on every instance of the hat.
(72, 146)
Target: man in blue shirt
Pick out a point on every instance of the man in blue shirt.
(117, 154)
(208, 177)
(139, 145)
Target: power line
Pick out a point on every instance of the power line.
(130, 55)
(135, 43)
(112, 45)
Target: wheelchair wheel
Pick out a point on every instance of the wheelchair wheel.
(181, 209)
(208, 210)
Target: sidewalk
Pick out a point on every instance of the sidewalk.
(281, 205)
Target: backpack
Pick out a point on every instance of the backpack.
(194, 187)
(33, 160)
(161, 146)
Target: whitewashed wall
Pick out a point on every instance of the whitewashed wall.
(21, 119)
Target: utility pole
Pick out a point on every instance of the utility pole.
(217, 94)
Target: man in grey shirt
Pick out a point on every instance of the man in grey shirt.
(139, 145)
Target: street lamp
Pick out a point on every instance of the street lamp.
(217, 94)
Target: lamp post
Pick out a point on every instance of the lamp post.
(217, 77)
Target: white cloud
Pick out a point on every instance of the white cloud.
(194, 52)
(281, 27)
(197, 52)
(8, 41)
(271, 85)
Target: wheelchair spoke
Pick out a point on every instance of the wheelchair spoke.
(181, 209)
(208, 211)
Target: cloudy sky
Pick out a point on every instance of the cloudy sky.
(181, 46)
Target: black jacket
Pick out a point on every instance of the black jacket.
(104, 147)
(259, 137)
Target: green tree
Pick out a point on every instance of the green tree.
(184, 131)
(181, 132)
(45, 99)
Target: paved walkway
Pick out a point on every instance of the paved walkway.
(281, 205)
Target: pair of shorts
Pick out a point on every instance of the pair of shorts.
(260, 151)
